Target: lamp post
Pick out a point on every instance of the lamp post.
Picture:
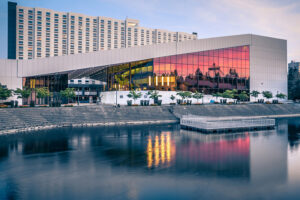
(116, 97)
(78, 96)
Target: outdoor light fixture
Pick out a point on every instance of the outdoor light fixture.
(156, 80)
(168, 81)
(162, 81)
(149, 80)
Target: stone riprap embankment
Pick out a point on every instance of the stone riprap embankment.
(27, 119)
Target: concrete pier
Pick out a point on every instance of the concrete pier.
(225, 124)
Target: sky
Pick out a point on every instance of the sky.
(274, 18)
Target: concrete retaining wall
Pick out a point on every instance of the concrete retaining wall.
(27, 119)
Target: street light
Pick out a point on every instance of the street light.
(78, 96)
(116, 97)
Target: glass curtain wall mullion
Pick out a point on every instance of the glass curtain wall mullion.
(207, 71)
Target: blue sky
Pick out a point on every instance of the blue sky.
(212, 18)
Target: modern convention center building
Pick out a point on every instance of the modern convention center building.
(243, 62)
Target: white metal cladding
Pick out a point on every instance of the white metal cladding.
(268, 65)
(8, 74)
(117, 56)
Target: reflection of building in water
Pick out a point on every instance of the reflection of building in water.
(215, 155)
(163, 151)
(293, 150)
(293, 133)
(269, 156)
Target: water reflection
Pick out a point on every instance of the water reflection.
(294, 133)
(215, 155)
(164, 150)
(138, 162)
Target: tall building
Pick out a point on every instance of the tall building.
(294, 66)
(39, 32)
(294, 80)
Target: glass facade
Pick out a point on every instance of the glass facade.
(206, 71)
(12, 25)
(55, 83)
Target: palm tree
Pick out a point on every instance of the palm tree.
(154, 95)
(267, 94)
(23, 93)
(243, 96)
(280, 96)
(198, 96)
(134, 95)
(181, 94)
(255, 94)
(217, 95)
(172, 97)
(228, 94)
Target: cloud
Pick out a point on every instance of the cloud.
(221, 17)
(264, 17)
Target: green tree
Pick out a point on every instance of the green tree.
(134, 95)
(228, 94)
(235, 93)
(198, 96)
(188, 94)
(154, 95)
(4, 92)
(217, 95)
(267, 94)
(23, 93)
(172, 97)
(181, 94)
(243, 96)
(280, 96)
(184, 94)
(68, 93)
(255, 94)
(42, 93)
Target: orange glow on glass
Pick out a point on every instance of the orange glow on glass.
(156, 151)
(168, 147)
(168, 81)
(162, 148)
(149, 152)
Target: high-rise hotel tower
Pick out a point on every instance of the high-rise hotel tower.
(39, 32)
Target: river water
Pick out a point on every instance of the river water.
(151, 162)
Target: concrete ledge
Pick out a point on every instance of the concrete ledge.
(30, 129)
